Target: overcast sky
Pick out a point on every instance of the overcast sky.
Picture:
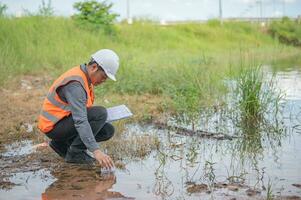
(170, 10)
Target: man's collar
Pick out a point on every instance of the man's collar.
(83, 67)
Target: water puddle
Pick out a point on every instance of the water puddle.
(26, 185)
(19, 148)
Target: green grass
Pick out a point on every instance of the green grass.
(287, 31)
(187, 63)
(256, 95)
(270, 195)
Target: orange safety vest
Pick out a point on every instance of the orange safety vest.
(54, 109)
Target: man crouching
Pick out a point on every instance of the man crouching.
(68, 117)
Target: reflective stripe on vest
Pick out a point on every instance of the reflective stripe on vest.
(54, 109)
(51, 95)
(50, 117)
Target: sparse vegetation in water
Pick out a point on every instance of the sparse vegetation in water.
(257, 113)
(250, 83)
(269, 191)
(257, 94)
(192, 154)
(193, 92)
(209, 174)
(131, 147)
(163, 186)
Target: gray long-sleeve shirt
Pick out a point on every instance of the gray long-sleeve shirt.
(74, 94)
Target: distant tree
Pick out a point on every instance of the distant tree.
(96, 14)
(46, 9)
(3, 8)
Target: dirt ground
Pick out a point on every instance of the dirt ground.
(21, 101)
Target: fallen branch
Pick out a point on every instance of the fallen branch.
(189, 132)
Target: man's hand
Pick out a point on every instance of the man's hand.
(103, 159)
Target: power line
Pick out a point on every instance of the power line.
(259, 2)
(283, 7)
(128, 11)
(220, 12)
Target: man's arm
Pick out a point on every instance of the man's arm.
(76, 96)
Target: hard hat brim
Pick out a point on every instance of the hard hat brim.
(111, 76)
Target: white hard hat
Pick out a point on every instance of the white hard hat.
(108, 60)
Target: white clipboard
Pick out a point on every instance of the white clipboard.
(118, 112)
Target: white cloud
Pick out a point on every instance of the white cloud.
(147, 5)
(289, 1)
(247, 1)
(188, 4)
(264, 1)
(277, 13)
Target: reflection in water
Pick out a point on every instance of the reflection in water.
(256, 136)
(80, 183)
(163, 187)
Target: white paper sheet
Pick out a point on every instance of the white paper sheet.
(118, 112)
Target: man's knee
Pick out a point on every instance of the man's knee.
(97, 113)
(106, 133)
(110, 129)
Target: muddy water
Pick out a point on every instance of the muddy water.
(182, 167)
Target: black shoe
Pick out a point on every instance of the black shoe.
(79, 157)
(59, 147)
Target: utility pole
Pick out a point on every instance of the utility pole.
(259, 2)
(274, 10)
(220, 12)
(283, 8)
(261, 13)
(128, 16)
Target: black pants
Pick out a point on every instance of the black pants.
(64, 132)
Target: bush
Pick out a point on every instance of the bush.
(287, 31)
(95, 14)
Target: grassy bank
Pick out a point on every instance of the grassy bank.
(185, 64)
(287, 31)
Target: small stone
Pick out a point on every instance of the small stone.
(27, 127)
(41, 145)
(25, 85)
(252, 192)
(119, 165)
(220, 185)
(197, 188)
(232, 187)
